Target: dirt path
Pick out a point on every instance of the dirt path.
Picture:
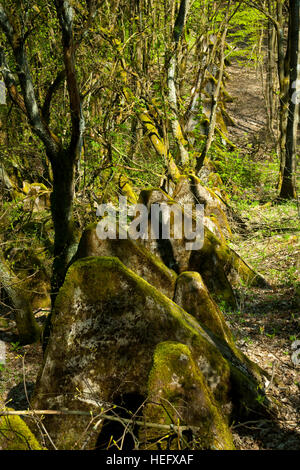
(248, 108)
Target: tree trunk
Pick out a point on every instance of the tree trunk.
(172, 67)
(288, 169)
(65, 245)
(61, 208)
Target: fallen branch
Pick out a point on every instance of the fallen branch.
(172, 427)
(246, 423)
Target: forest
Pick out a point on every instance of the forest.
(149, 225)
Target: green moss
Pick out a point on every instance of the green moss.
(212, 202)
(216, 222)
(246, 273)
(41, 186)
(15, 434)
(126, 189)
(217, 261)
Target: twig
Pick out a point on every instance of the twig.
(272, 376)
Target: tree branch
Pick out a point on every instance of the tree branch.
(92, 8)
(264, 12)
(51, 91)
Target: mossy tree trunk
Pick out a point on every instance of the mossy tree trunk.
(215, 102)
(288, 160)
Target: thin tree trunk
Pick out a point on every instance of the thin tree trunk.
(172, 69)
(269, 78)
(271, 65)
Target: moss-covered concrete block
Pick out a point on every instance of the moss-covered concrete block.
(133, 255)
(178, 394)
(193, 296)
(190, 190)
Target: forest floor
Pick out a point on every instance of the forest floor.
(267, 321)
